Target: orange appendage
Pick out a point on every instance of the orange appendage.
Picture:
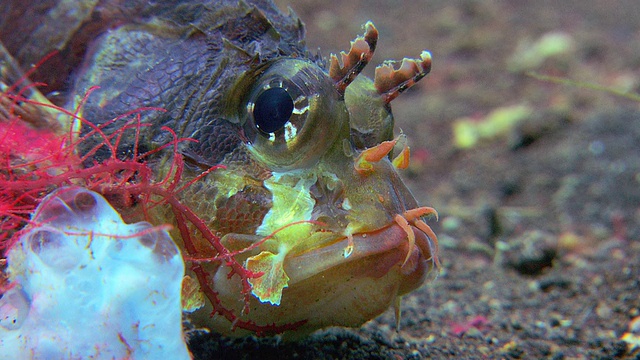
(363, 163)
(354, 62)
(412, 217)
(390, 82)
(402, 160)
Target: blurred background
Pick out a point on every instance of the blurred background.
(494, 149)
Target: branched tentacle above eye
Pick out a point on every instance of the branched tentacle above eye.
(353, 63)
(390, 82)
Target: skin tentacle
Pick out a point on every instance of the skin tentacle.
(359, 55)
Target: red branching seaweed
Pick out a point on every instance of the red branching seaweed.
(51, 160)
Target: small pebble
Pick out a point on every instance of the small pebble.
(529, 254)
(603, 310)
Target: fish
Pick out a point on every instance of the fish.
(284, 195)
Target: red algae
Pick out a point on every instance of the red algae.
(51, 160)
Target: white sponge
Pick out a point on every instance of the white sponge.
(87, 285)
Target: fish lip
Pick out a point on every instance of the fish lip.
(390, 244)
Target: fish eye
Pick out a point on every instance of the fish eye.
(277, 111)
(272, 109)
(290, 112)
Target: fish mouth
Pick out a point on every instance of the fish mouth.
(390, 248)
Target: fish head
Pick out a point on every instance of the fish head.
(310, 200)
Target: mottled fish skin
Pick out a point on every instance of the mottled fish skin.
(183, 56)
(207, 64)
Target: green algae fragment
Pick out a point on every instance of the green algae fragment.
(192, 297)
(290, 204)
(467, 132)
(228, 183)
(531, 55)
(269, 286)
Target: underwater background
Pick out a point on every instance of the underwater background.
(537, 183)
(525, 137)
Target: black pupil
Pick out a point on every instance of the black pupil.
(272, 109)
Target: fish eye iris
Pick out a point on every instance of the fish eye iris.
(272, 109)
